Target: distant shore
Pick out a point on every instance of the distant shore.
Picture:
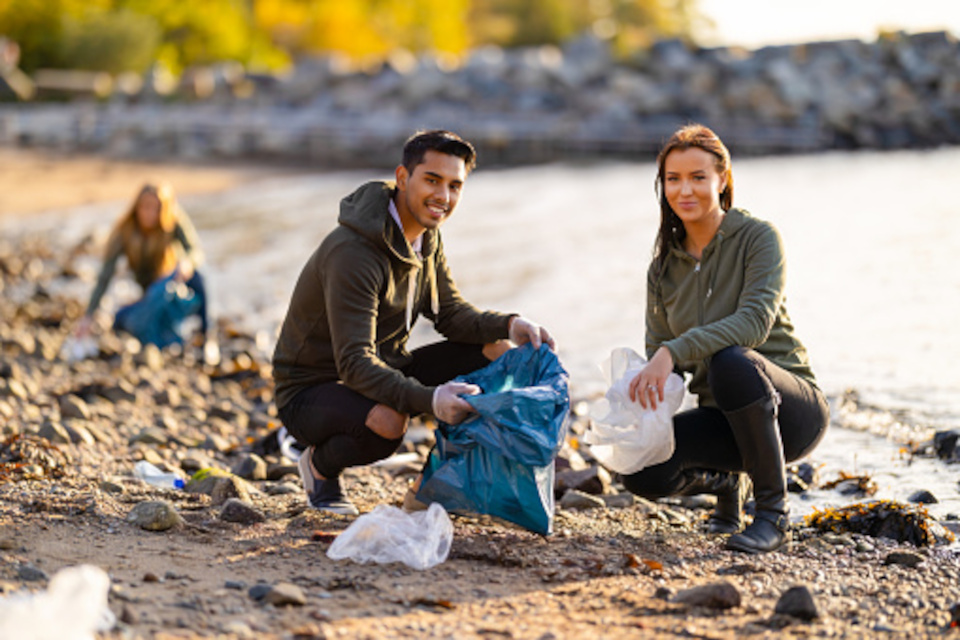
(37, 180)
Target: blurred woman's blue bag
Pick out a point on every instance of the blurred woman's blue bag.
(156, 317)
(500, 461)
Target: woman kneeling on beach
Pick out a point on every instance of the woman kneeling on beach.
(163, 252)
(716, 309)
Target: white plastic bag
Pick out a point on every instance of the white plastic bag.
(75, 349)
(73, 607)
(630, 438)
(387, 534)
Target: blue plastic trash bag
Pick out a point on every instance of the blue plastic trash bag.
(156, 317)
(500, 461)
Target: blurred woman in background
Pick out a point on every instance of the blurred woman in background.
(162, 250)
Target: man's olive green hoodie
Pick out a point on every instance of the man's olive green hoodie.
(734, 295)
(352, 308)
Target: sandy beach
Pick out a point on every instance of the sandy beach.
(616, 567)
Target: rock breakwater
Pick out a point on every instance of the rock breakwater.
(529, 105)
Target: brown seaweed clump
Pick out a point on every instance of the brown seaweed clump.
(883, 519)
(28, 457)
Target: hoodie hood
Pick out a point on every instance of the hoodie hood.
(366, 211)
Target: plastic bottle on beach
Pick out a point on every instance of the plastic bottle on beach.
(157, 478)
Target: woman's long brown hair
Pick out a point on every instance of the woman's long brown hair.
(148, 250)
(692, 136)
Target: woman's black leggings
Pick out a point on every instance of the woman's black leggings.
(704, 438)
(333, 418)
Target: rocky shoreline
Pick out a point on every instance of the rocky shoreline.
(519, 106)
(237, 554)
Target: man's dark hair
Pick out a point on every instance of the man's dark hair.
(441, 141)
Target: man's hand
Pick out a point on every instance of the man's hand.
(522, 331)
(447, 403)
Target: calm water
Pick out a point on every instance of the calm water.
(872, 285)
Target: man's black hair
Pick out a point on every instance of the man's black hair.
(441, 141)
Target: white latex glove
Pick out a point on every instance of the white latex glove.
(447, 403)
(523, 331)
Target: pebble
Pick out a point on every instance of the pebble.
(154, 515)
(72, 406)
(284, 594)
(228, 488)
(30, 573)
(721, 595)
(251, 467)
(54, 432)
(259, 591)
(797, 602)
(904, 559)
(240, 512)
(574, 499)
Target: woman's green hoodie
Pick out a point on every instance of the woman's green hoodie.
(352, 309)
(733, 296)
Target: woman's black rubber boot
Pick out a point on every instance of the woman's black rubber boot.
(757, 434)
(731, 490)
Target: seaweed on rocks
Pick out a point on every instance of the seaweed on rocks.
(883, 519)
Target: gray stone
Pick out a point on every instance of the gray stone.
(619, 500)
(109, 486)
(240, 512)
(904, 559)
(797, 602)
(574, 499)
(230, 487)
(259, 591)
(54, 432)
(72, 406)
(150, 357)
(79, 434)
(283, 489)
(721, 595)
(14, 388)
(169, 396)
(30, 573)
(122, 392)
(251, 467)
(277, 471)
(154, 515)
(151, 436)
(922, 497)
(594, 480)
(284, 594)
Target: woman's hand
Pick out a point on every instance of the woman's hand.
(647, 387)
(82, 330)
(184, 271)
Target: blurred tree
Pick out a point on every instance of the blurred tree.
(362, 28)
(120, 35)
(630, 24)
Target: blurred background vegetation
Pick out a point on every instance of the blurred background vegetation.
(132, 35)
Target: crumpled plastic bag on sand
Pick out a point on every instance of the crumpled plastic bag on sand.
(73, 607)
(387, 534)
(630, 438)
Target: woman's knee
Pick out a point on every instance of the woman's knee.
(386, 422)
(651, 483)
(736, 379)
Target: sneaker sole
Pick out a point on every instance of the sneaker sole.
(306, 474)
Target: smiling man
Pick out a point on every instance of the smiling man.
(345, 383)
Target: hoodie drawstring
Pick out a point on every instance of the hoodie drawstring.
(412, 294)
